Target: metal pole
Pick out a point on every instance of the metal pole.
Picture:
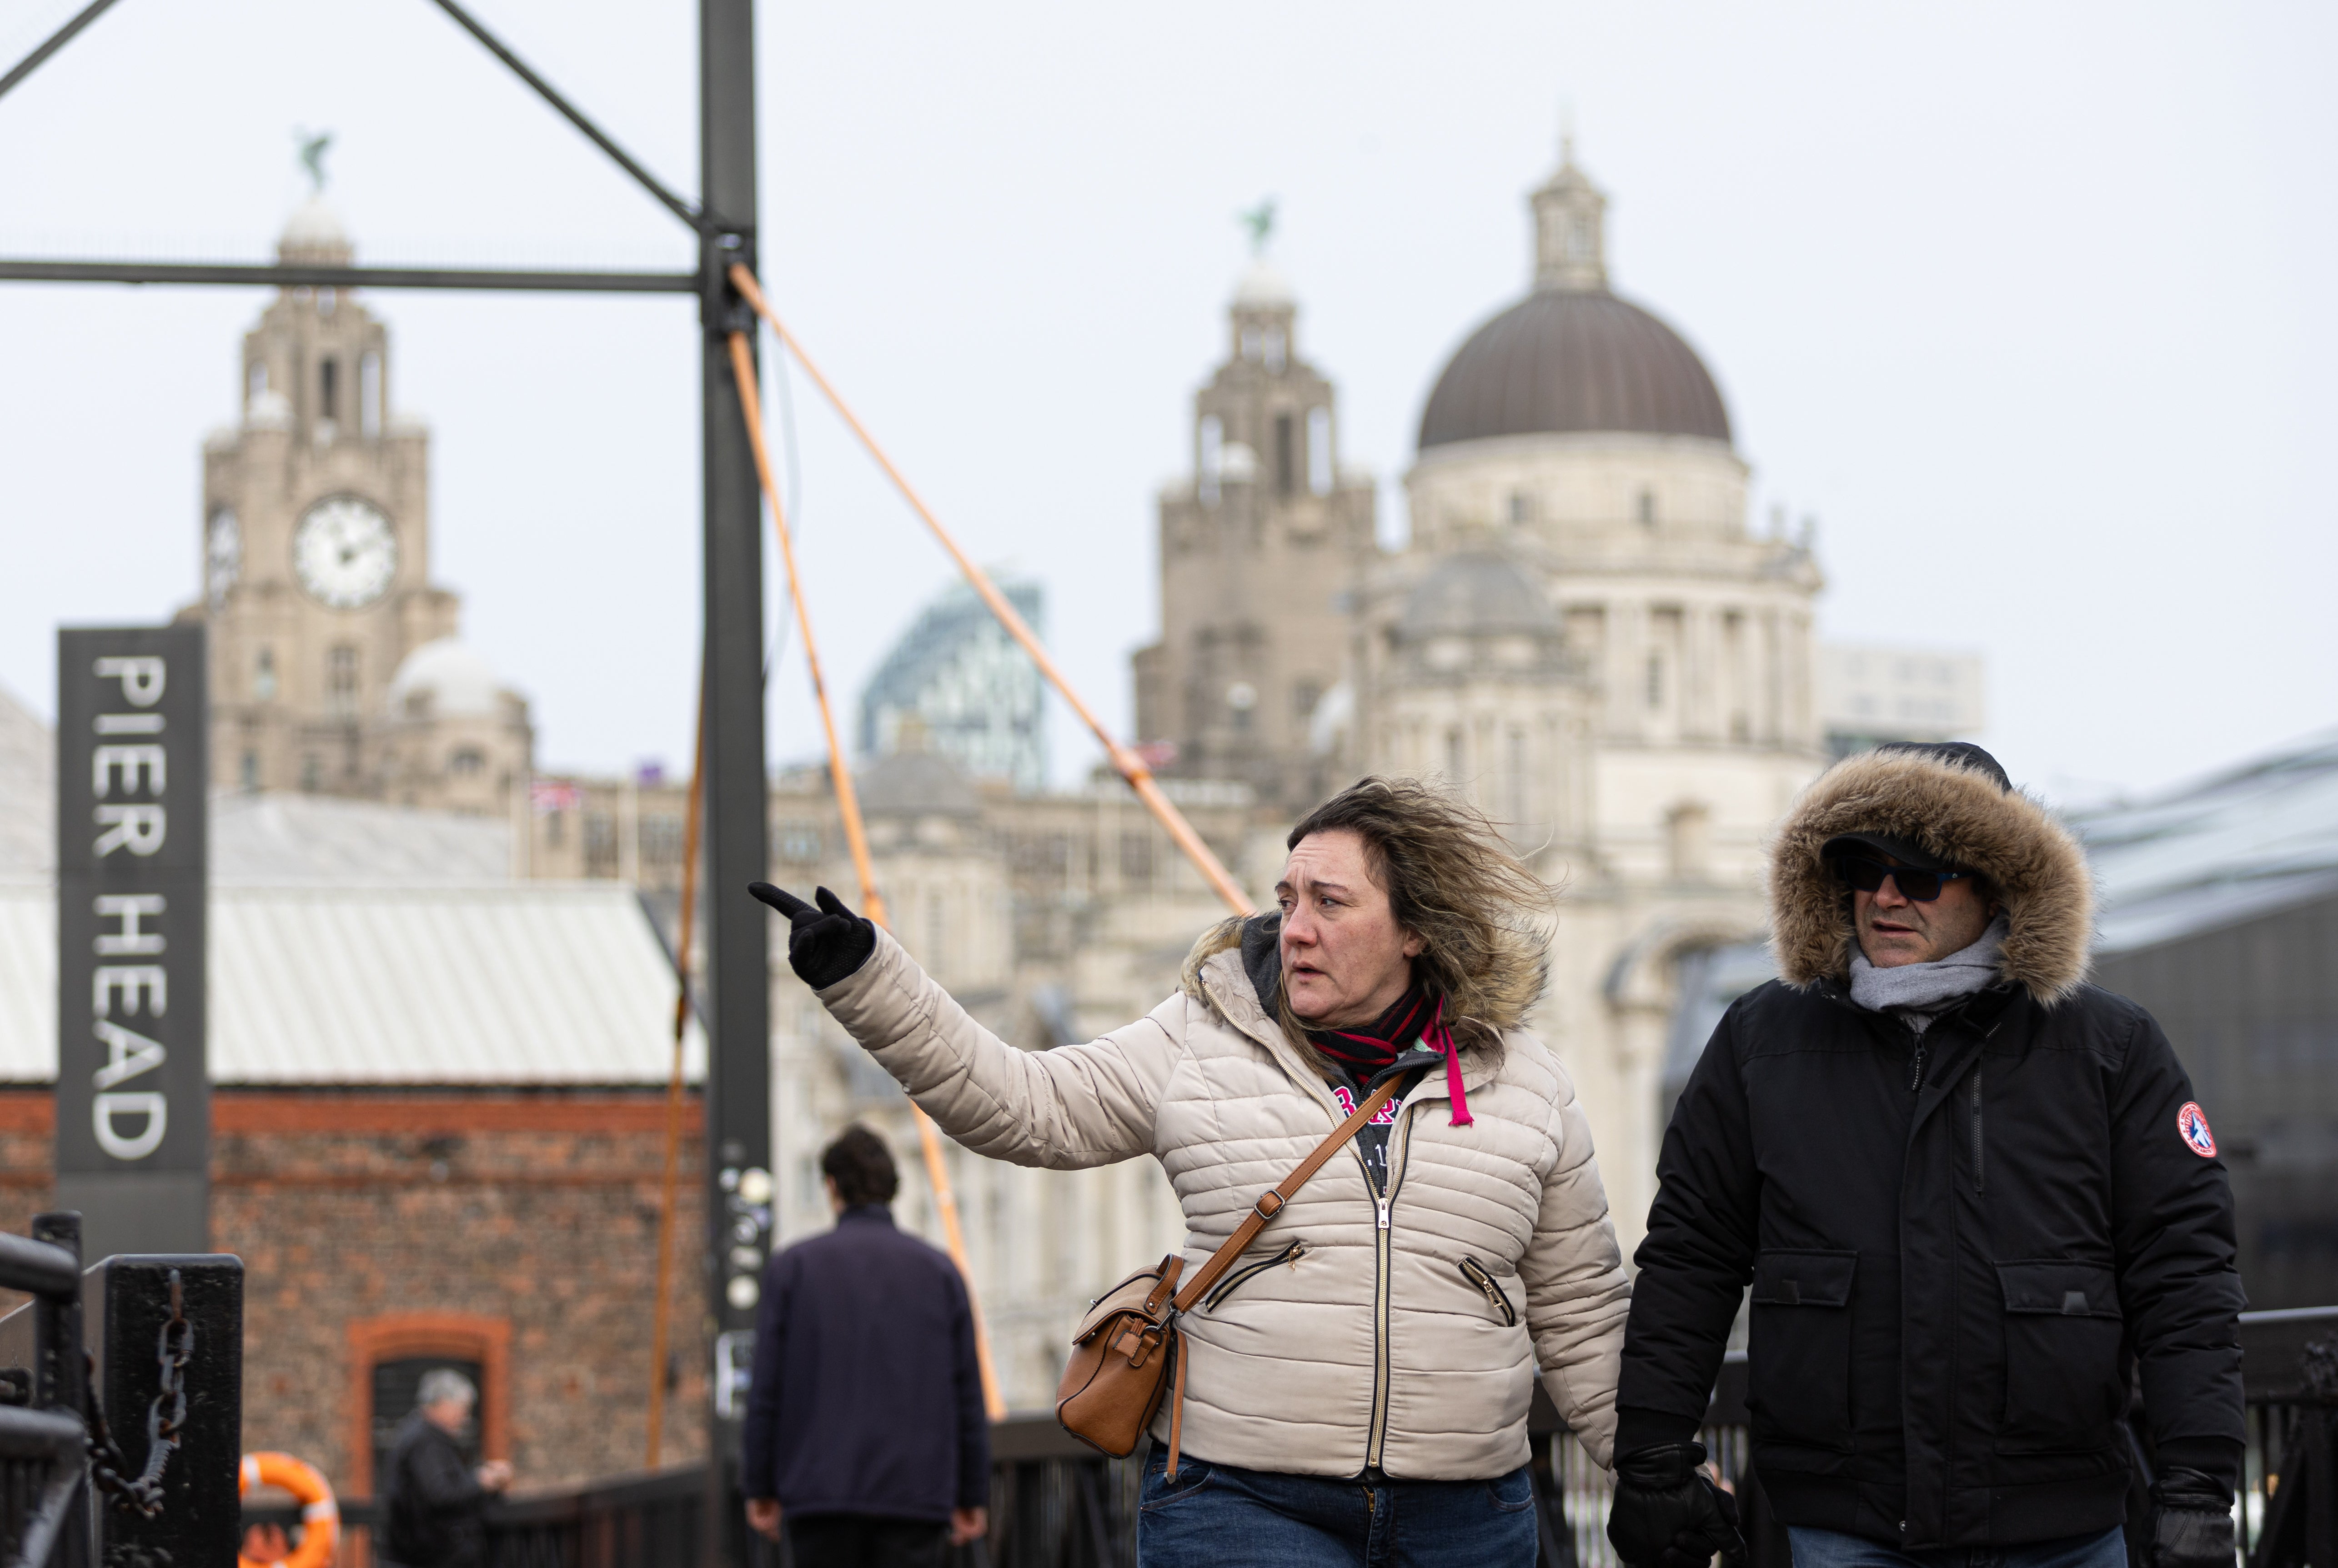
(738, 1082)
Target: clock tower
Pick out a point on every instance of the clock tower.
(334, 667)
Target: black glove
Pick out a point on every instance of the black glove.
(2191, 1521)
(1668, 1513)
(825, 945)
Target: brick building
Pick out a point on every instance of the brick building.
(510, 1233)
(437, 1125)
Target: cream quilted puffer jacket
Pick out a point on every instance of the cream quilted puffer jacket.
(1402, 1334)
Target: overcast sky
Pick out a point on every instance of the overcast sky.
(2029, 305)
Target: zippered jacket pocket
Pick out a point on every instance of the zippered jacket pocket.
(1482, 1279)
(1248, 1271)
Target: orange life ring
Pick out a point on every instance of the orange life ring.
(320, 1517)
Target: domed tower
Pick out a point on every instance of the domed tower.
(316, 551)
(1578, 434)
(1576, 440)
(1260, 547)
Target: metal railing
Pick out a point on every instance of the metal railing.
(2288, 1508)
(626, 1522)
(43, 1440)
(156, 1342)
(1055, 1503)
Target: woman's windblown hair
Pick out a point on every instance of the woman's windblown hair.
(1482, 915)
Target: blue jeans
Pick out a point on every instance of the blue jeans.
(1218, 1517)
(1833, 1549)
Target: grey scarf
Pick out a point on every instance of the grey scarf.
(1920, 992)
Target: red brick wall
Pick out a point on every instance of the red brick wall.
(531, 1215)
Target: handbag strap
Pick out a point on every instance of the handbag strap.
(1271, 1201)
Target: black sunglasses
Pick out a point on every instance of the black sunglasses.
(1916, 886)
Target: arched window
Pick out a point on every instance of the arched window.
(370, 394)
(329, 375)
(1647, 508)
(1688, 835)
(1209, 455)
(341, 681)
(1318, 451)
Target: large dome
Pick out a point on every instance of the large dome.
(1570, 360)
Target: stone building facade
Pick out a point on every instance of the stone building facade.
(335, 664)
(1257, 549)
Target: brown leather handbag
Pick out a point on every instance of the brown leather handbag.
(1127, 1352)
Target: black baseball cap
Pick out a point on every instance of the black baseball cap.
(1907, 851)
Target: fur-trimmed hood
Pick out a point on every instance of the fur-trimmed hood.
(2036, 869)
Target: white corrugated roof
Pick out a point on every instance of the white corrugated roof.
(278, 841)
(526, 982)
(2245, 842)
(361, 943)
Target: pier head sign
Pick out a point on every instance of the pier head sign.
(133, 1097)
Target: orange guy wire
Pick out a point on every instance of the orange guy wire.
(662, 1312)
(1130, 766)
(742, 368)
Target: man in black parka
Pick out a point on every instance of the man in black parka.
(1974, 1197)
(435, 1505)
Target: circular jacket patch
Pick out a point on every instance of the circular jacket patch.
(2191, 1122)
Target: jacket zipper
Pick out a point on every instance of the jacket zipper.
(1291, 1254)
(1916, 1068)
(1478, 1274)
(1399, 1139)
(1977, 1185)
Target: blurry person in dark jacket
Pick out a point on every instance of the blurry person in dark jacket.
(436, 1501)
(865, 1432)
(1977, 1202)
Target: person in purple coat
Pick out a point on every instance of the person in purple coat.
(866, 1436)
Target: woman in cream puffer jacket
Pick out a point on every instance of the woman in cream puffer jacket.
(1380, 1331)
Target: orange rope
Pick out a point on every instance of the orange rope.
(1131, 767)
(742, 368)
(662, 1312)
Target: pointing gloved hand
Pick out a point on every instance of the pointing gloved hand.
(1668, 1513)
(2191, 1521)
(825, 944)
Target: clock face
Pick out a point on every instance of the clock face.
(222, 554)
(345, 552)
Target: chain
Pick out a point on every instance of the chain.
(166, 1418)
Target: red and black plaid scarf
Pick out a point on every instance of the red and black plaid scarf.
(1415, 1016)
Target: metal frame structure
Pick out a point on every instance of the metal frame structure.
(736, 997)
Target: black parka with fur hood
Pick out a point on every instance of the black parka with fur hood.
(1959, 1256)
